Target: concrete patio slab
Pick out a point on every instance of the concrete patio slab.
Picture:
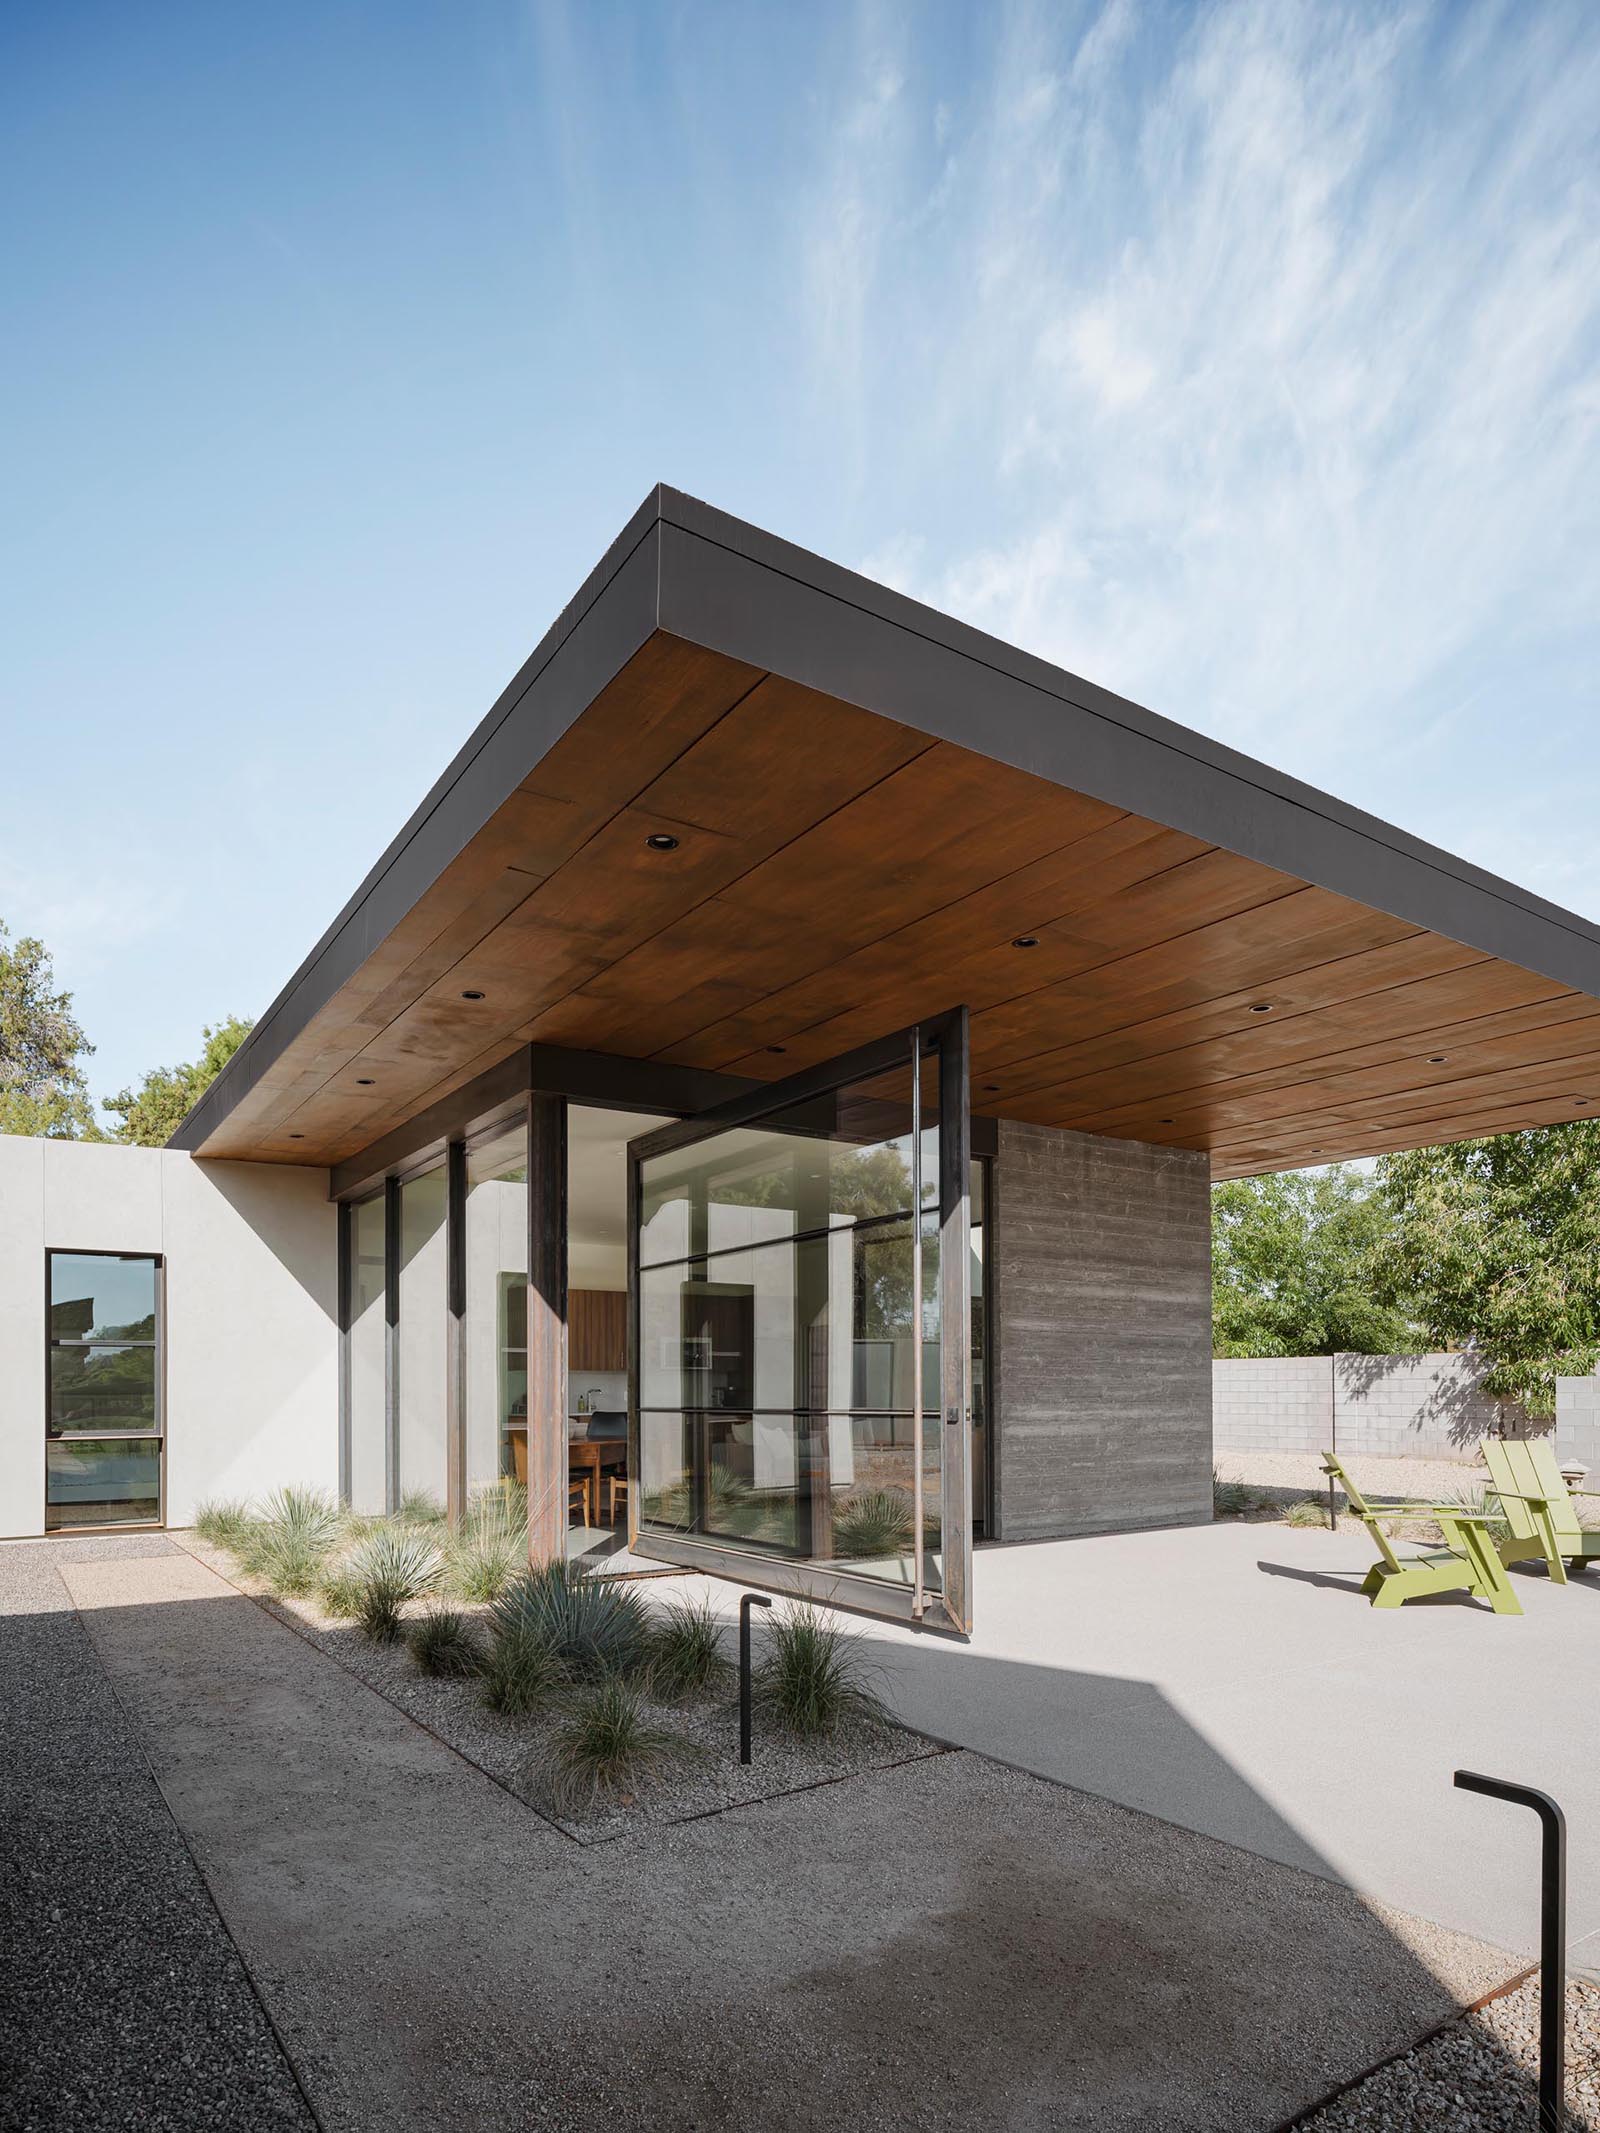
(1232, 1678)
(947, 1944)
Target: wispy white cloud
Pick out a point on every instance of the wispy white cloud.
(1271, 337)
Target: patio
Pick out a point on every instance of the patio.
(1231, 1678)
(944, 1944)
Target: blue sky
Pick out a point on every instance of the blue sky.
(1245, 358)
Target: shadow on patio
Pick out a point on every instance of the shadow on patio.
(946, 1944)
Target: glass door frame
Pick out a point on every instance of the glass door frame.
(942, 1038)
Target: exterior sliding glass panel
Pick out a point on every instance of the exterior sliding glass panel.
(367, 1419)
(495, 1372)
(420, 1358)
(103, 1422)
(794, 1389)
(979, 1252)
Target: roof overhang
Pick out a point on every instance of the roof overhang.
(873, 804)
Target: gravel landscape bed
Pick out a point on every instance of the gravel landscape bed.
(1293, 1476)
(513, 1751)
(123, 2001)
(1480, 2075)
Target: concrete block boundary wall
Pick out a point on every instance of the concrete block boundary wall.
(1396, 1406)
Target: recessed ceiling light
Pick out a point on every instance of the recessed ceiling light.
(1261, 1007)
(364, 1081)
(472, 996)
(1582, 1102)
(661, 841)
(1438, 1059)
(1026, 940)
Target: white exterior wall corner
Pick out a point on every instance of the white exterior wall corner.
(251, 1299)
(22, 1363)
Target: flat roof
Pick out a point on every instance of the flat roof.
(874, 808)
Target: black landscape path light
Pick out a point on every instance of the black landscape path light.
(750, 1599)
(1552, 1937)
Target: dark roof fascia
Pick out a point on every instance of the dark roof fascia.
(593, 638)
(737, 590)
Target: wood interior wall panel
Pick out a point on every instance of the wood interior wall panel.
(838, 875)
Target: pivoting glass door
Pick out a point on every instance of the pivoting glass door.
(801, 1352)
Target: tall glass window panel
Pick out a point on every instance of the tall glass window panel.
(980, 1347)
(421, 1361)
(103, 1417)
(368, 1415)
(496, 1360)
(92, 1481)
(781, 1336)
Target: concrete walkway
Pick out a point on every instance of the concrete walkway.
(1231, 1678)
(949, 1944)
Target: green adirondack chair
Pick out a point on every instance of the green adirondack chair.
(1468, 1561)
(1538, 1506)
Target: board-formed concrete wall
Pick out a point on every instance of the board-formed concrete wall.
(251, 1299)
(1101, 1268)
(1421, 1406)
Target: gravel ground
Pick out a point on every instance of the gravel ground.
(123, 2003)
(1293, 1475)
(1478, 2076)
(513, 1751)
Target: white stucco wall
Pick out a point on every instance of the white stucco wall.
(252, 1349)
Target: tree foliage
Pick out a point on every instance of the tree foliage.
(42, 1087)
(1497, 1243)
(1299, 1266)
(152, 1114)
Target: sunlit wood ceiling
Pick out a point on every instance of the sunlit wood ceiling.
(837, 874)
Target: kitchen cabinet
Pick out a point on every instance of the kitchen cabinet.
(597, 1330)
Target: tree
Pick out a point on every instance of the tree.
(1296, 1267)
(167, 1095)
(42, 1089)
(1498, 1243)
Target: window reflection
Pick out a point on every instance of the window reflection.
(782, 1340)
(103, 1417)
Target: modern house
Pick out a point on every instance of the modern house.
(765, 1100)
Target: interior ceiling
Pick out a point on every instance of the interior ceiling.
(597, 1184)
(838, 875)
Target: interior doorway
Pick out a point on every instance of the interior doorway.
(597, 1326)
